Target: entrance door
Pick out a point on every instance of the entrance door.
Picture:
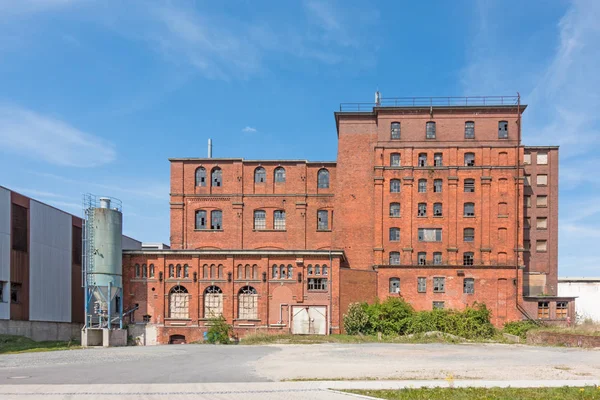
(309, 320)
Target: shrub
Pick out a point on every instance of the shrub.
(356, 320)
(390, 317)
(519, 328)
(219, 331)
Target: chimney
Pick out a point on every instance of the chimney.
(209, 148)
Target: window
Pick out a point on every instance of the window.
(322, 220)
(394, 209)
(437, 258)
(323, 179)
(394, 285)
(260, 175)
(437, 186)
(541, 245)
(469, 286)
(324, 270)
(394, 234)
(502, 234)
(279, 175)
(200, 176)
(437, 209)
(282, 272)
(437, 160)
(430, 130)
(503, 158)
(469, 159)
(438, 305)
(561, 309)
(200, 219)
(527, 223)
(19, 228)
(186, 271)
(468, 258)
(430, 234)
(137, 270)
(502, 209)
(247, 303)
(216, 219)
(279, 220)
(469, 185)
(422, 258)
(469, 130)
(526, 159)
(15, 293)
(422, 185)
(395, 159)
(527, 245)
(315, 284)
(542, 159)
(527, 180)
(395, 186)
(274, 272)
(422, 160)
(421, 285)
(541, 201)
(542, 180)
(151, 272)
(2, 291)
(503, 185)
(179, 303)
(542, 223)
(144, 271)
(216, 177)
(395, 131)
(502, 130)
(394, 258)
(469, 209)
(543, 309)
(178, 269)
(469, 234)
(422, 210)
(213, 302)
(527, 201)
(171, 271)
(439, 285)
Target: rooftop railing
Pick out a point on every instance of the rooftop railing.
(432, 102)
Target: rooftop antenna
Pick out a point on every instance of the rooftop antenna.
(209, 148)
(377, 98)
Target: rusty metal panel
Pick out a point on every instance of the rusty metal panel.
(5, 252)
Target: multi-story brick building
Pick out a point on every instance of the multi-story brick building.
(429, 199)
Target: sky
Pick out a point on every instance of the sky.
(96, 95)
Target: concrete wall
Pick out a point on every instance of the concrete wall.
(588, 297)
(143, 334)
(50, 264)
(40, 330)
(5, 252)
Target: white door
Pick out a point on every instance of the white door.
(309, 320)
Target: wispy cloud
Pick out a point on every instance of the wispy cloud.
(11, 8)
(42, 137)
(249, 129)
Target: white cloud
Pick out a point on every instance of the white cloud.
(37, 136)
(11, 8)
(249, 129)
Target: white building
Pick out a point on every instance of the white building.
(587, 291)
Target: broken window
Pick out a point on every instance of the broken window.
(179, 303)
(422, 160)
(469, 286)
(422, 185)
(282, 272)
(439, 284)
(469, 209)
(395, 159)
(279, 175)
(503, 130)
(322, 220)
(394, 209)
(216, 219)
(469, 159)
(438, 160)
(200, 176)
(468, 258)
(279, 220)
(422, 210)
(178, 269)
(19, 228)
(395, 130)
(394, 234)
(394, 258)
(394, 285)
(247, 303)
(541, 245)
(469, 234)
(315, 284)
(213, 302)
(309, 269)
(437, 258)
(542, 223)
(542, 158)
(430, 130)
(561, 309)
(469, 130)
(542, 201)
(200, 219)
(422, 258)
(171, 271)
(216, 177)
(542, 180)
(323, 270)
(274, 272)
(437, 209)
(395, 186)
(543, 310)
(323, 179)
(260, 175)
(437, 186)
(146, 318)
(15, 293)
(438, 305)
(469, 185)
(421, 285)
(430, 234)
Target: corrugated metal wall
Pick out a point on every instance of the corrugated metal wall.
(50, 264)
(5, 252)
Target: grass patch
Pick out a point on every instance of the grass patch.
(10, 344)
(587, 393)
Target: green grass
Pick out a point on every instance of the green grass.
(587, 393)
(10, 344)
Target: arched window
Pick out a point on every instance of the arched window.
(282, 272)
(186, 271)
(469, 159)
(255, 271)
(317, 269)
(290, 271)
(422, 185)
(324, 270)
(171, 271)
(260, 219)
(178, 270)
(260, 175)
(274, 272)
(240, 271)
(395, 159)
(247, 303)
(205, 271)
(200, 219)
(469, 130)
(395, 186)
(151, 270)
(279, 175)
(309, 269)
(437, 209)
(503, 130)
(323, 179)
(469, 210)
(438, 160)
(137, 270)
(213, 302)
(422, 160)
(216, 219)
(179, 303)
(216, 177)
(394, 258)
(144, 271)
(212, 271)
(200, 176)
(220, 272)
(394, 209)
(394, 285)
(395, 131)
(279, 220)
(247, 272)
(430, 130)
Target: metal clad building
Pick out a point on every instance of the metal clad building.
(4, 253)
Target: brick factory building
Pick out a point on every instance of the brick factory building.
(433, 200)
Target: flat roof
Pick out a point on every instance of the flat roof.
(541, 147)
(206, 159)
(578, 279)
(289, 253)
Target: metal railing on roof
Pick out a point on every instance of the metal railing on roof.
(432, 102)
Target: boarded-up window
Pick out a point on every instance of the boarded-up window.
(19, 228)
(561, 309)
(503, 158)
(502, 234)
(541, 245)
(542, 201)
(179, 303)
(542, 223)
(543, 310)
(502, 209)
(503, 185)
(213, 302)
(542, 180)
(502, 258)
(247, 303)
(542, 158)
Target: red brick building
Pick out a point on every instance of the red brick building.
(430, 203)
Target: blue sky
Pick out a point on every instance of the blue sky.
(97, 94)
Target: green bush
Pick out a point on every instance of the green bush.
(219, 331)
(357, 319)
(390, 317)
(519, 328)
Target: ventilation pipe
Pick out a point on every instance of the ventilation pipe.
(209, 148)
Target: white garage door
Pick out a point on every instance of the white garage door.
(309, 320)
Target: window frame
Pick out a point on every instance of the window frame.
(469, 185)
(469, 129)
(260, 175)
(469, 237)
(202, 215)
(323, 178)
(395, 130)
(393, 207)
(430, 130)
(422, 160)
(469, 158)
(395, 184)
(279, 220)
(438, 210)
(317, 284)
(502, 129)
(422, 258)
(279, 175)
(322, 220)
(394, 285)
(422, 210)
(439, 284)
(216, 177)
(422, 233)
(394, 255)
(469, 286)
(422, 186)
(466, 205)
(438, 185)
(394, 234)
(395, 160)
(438, 159)
(200, 177)
(421, 284)
(260, 220)
(216, 216)
(468, 259)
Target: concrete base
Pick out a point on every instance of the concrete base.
(103, 337)
(41, 330)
